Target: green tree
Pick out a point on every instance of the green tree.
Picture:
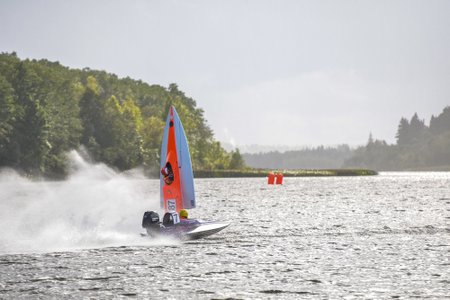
(441, 123)
(7, 120)
(236, 161)
(151, 132)
(128, 137)
(91, 111)
(60, 99)
(30, 144)
(216, 158)
(48, 109)
(403, 132)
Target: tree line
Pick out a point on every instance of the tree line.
(418, 147)
(47, 109)
(308, 158)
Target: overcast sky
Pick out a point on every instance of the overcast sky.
(265, 72)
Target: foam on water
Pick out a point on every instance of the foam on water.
(95, 207)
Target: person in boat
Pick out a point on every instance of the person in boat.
(183, 214)
(167, 173)
(184, 219)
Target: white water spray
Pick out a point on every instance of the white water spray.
(95, 207)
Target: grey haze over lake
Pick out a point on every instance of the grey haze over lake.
(265, 72)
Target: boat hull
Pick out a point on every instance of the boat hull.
(206, 229)
(193, 230)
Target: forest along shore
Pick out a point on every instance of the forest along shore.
(286, 173)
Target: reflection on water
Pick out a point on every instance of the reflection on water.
(364, 237)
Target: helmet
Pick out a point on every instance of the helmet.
(168, 179)
(183, 214)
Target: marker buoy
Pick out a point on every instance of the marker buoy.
(279, 178)
(270, 178)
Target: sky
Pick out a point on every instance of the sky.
(292, 73)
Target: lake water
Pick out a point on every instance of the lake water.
(386, 236)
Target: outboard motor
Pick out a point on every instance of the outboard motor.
(151, 223)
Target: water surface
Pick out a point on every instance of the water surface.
(386, 236)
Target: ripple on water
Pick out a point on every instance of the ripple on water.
(376, 237)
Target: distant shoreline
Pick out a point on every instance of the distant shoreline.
(286, 173)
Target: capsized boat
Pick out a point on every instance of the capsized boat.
(177, 189)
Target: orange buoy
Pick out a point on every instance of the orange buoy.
(270, 178)
(279, 178)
